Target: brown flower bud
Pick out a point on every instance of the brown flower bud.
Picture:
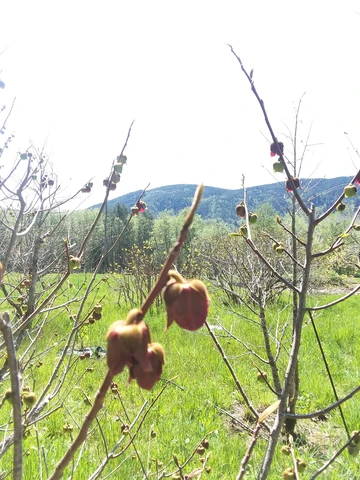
(96, 316)
(205, 443)
(253, 217)
(288, 474)
(262, 376)
(127, 343)
(115, 177)
(276, 148)
(301, 464)
(292, 184)
(350, 190)
(186, 301)
(278, 167)
(29, 398)
(67, 427)
(285, 450)
(240, 210)
(97, 308)
(74, 262)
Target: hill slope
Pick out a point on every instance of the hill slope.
(220, 202)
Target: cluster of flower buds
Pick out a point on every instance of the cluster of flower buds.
(278, 247)
(186, 301)
(340, 207)
(350, 190)
(68, 428)
(45, 181)
(289, 473)
(96, 313)
(129, 345)
(74, 262)
(292, 184)
(87, 187)
(277, 148)
(354, 445)
(114, 179)
(241, 212)
(139, 207)
(28, 397)
(243, 231)
(26, 283)
(109, 184)
(128, 341)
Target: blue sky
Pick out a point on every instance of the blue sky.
(81, 71)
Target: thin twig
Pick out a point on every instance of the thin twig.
(327, 409)
(335, 302)
(15, 395)
(98, 403)
(233, 374)
(271, 131)
(174, 252)
(247, 456)
(261, 256)
(336, 454)
(329, 373)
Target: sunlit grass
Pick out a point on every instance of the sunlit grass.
(199, 387)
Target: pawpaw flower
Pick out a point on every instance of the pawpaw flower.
(127, 342)
(187, 301)
(141, 206)
(276, 149)
(240, 210)
(147, 378)
(356, 180)
(292, 184)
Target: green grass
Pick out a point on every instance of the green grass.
(189, 407)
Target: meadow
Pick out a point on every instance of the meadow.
(152, 433)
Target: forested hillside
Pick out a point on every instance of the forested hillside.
(219, 202)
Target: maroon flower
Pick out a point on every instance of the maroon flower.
(141, 206)
(147, 378)
(276, 148)
(186, 301)
(127, 343)
(240, 210)
(292, 184)
(356, 180)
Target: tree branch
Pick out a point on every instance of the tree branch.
(15, 395)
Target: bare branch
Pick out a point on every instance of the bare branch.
(323, 411)
(15, 395)
(277, 275)
(334, 457)
(267, 121)
(335, 302)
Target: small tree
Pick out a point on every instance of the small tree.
(301, 253)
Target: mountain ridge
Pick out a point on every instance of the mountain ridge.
(219, 203)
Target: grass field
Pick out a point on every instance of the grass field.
(195, 399)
